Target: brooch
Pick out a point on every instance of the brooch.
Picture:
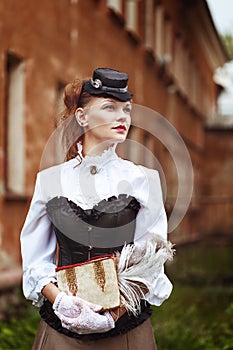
(93, 170)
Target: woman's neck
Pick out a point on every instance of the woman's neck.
(91, 148)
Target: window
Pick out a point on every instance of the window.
(131, 16)
(58, 147)
(178, 69)
(115, 5)
(159, 32)
(15, 128)
(149, 25)
(168, 41)
(59, 108)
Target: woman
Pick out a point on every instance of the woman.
(92, 205)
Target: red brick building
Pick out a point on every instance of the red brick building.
(170, 49)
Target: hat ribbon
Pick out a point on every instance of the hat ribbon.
(97, 84)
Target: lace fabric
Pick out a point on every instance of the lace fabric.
(80, 316)
(97, 160)
(123, 325)
(88, 322)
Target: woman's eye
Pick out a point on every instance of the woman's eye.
(110, 107)
(127, 110)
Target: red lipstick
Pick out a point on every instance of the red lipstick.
(120, 128)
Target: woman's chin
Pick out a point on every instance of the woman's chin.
(118, 140)
(121, 137)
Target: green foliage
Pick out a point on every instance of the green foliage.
(197, 316)
(20, 325)
(190, 326)
(227, 40)
(18, 333)
(199, 313)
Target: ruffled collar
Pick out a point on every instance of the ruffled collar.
(107, 155)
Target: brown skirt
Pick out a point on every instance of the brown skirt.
(139, 338)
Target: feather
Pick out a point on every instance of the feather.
(137, 267)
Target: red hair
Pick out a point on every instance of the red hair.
(74, 97)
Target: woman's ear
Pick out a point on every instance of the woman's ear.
(81, 117)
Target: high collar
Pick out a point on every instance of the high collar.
(107, 155)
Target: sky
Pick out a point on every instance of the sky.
(222, 14)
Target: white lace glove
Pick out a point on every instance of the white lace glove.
(80, 316)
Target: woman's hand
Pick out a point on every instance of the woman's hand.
(71, 306)
(80, 316)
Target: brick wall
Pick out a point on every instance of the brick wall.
(217, 201)
(59, 40)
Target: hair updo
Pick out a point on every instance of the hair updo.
(74, 97)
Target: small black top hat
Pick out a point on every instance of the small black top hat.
(110, 82)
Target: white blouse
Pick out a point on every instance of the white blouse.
(86, 184)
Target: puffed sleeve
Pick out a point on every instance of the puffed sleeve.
(152, 221)
(38, 248)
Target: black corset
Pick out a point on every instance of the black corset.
(83, 234)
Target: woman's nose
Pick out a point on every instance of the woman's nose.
(121, 115)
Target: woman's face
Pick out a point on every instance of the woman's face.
(106, 120)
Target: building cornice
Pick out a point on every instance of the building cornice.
(203, 28)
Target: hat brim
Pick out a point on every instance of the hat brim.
(122, 96)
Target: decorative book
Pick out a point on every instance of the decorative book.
(94, 280)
